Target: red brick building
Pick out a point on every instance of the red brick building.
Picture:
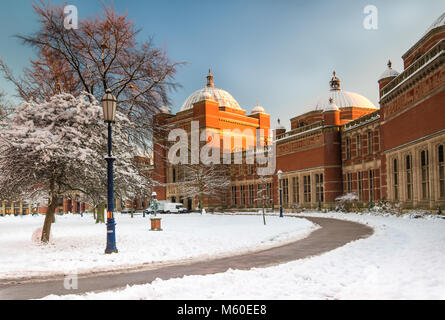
(345, 144)
(214, 110)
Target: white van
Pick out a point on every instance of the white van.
(172, 207)
(169, 207)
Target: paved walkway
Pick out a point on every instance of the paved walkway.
(333, 233)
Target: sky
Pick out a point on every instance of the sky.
(280, 53)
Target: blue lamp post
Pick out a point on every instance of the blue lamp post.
(279, 173)
(109, 103)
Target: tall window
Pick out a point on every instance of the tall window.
(269, 191)
(319, 190)
(173, 174)
(371, 185)
(285, 190)
(360, 185)
(396, 179)
(409, 177)
(307, 188)
(234, 202)
(251, 196)
(348, 148)
(359, 145)
(180, 173)
(295, 190)
(243, 195)
(441, 173)
(425, 175)
(349, 182)
(370, 142)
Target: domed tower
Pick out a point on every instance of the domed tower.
(331, 114)
(222, 98)
(343, 99)
(258, 109)
(279, 129)
(387, 77)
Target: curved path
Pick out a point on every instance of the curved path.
(333, 233)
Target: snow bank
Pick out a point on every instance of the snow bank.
(404, 259)
(78, 243)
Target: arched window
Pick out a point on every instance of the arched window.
(425, 175)
(441, 172)
(409, 177)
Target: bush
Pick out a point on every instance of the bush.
(346, 202)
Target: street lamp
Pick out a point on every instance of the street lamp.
(109, 103)
(279, 173)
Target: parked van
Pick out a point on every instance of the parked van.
(168, 207)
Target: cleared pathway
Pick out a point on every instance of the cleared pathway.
(333, 233)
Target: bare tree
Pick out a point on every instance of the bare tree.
(202, 181)
(263, 194)
(102, 53)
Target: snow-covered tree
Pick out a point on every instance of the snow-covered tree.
(202, 180)
(4, 110)
(57, 146)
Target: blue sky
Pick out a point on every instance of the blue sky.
(281, 52)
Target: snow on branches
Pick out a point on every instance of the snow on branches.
(59, 145)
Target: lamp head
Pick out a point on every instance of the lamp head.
(109, 103)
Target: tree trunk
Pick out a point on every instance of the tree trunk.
(200, 203)
(264, 214)
(94, 213)
(100, 213)
(49, 219)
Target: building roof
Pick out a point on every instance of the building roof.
(332, 106)
(258, 109)
(209, 92)
(279, 126)
(389, 73)
(342, 99)
(440, 22)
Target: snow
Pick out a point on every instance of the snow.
(78, 243)
(59, 144)
(347, 197)
(403, 259)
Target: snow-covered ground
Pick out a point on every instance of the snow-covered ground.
(78, 243)
(403, 259)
